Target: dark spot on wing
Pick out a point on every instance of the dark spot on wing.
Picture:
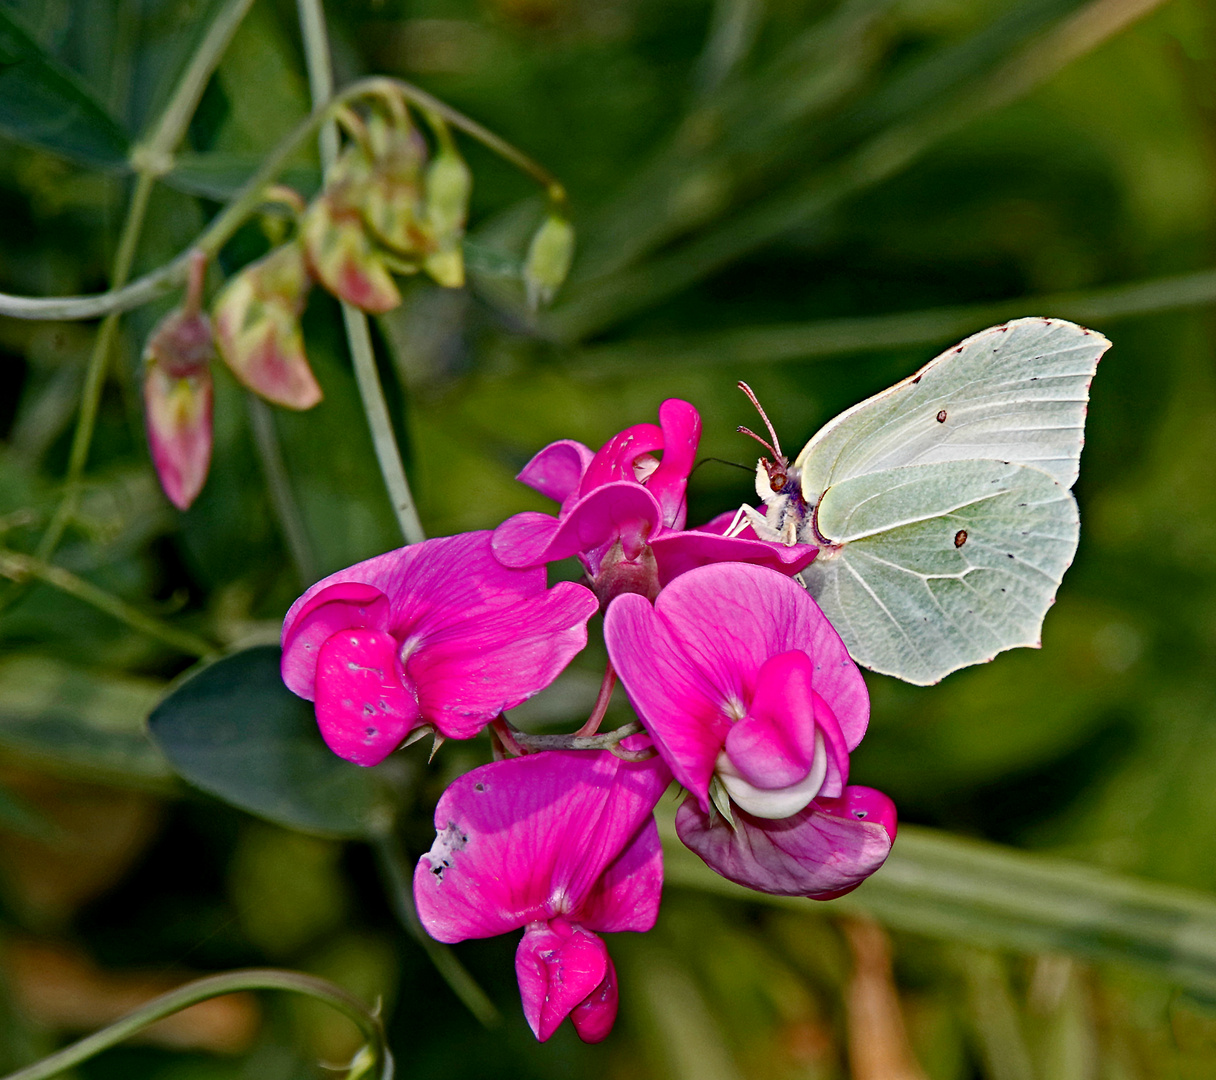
(916, 380)
(941, 417)
(960, 538)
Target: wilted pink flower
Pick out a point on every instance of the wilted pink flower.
(257, 328)
(178, 412)
(439, 633)
(564, 845)
(178, 396)
(752, 699)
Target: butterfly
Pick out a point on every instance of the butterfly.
(942, 506)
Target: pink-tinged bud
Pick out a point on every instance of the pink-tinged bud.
(343, 257)
(177, 412)
(257, 328)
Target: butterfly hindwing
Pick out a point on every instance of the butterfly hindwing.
(930, 568)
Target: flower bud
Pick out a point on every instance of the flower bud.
(393, 205)
(343, 257)
(257, 325)
(177, 412)
(548, 260)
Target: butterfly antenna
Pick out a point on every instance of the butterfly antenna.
(774, 447)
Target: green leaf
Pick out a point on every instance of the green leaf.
(78, 721)
(237, 732)
(983, 894)
(44, 103)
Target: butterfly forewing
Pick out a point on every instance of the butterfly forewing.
(941, 565)
(1014, 393)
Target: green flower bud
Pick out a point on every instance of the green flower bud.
(548, 260)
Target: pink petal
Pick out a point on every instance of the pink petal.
(528, 839)
(678, 552)
(559, 967)
(343, 606)
(821, 852)
(594, 1016)
(626, 897)
(622, 511)
(614, 460)
(497, 657)
(681, 706)
(765, 614)
(475, 637)
(773, 746)
(363, 708)
(524, 540)
(681, 425)
(557, 470)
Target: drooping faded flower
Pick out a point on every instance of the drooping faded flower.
(257, 328)
(754, 703)
(564, 845)
(439, 633)
(178, 397)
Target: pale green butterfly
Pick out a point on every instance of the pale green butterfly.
(941, 506)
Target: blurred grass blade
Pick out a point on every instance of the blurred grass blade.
(599, 304)
(821, 338)
(43, 103)
(982, 894)
(69, 720)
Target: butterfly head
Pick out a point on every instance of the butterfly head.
(774, 477)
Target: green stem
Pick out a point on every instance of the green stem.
(21, 568)
(278, 484)
(155, 156)
(933, 326)
(358, 334)
(222, 228)
(398, 878)
(211, 987)
(150, 160)
(95, 374)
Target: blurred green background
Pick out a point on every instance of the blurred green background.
(813, 195)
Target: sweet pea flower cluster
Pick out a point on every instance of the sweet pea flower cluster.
(745, 696)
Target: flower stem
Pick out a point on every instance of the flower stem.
(221, 229)
(601, 703)
(216, 986)
(95, 373)
(21, 568)
(358, 334)
(150, 160)
(521, 742)
(398, 879)
(278, 484)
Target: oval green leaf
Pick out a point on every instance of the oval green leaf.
(235, 731)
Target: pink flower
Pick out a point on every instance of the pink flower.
(753, 701)
(564, 845)
(438, 633)
(623, 511)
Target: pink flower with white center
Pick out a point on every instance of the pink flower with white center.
(623, 511)
(564, 845)
(439, 633)
(753, 701)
